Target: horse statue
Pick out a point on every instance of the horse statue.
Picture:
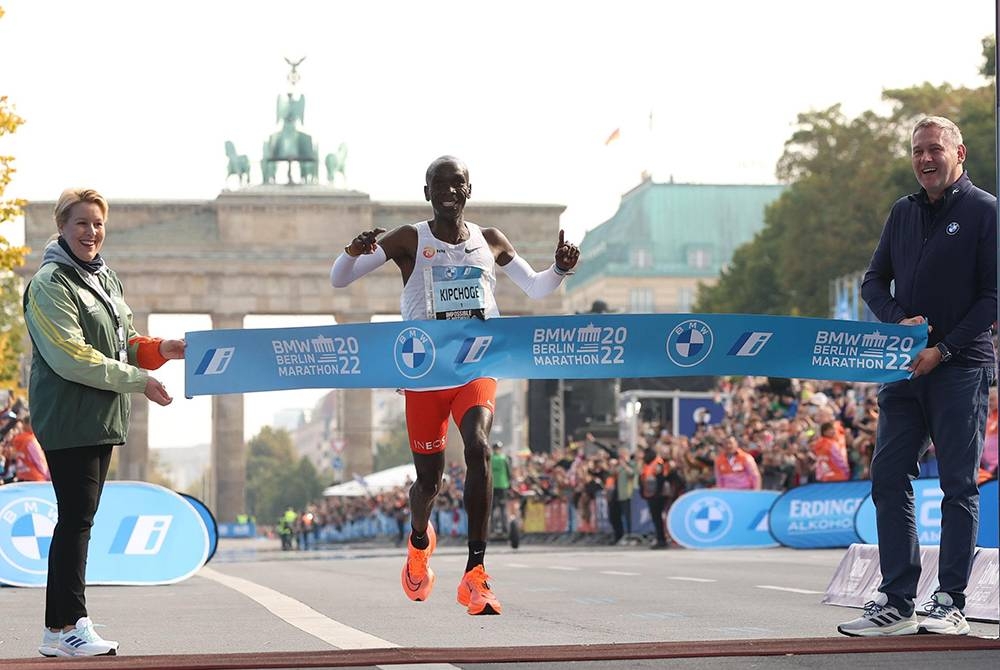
(268, 167)
(239, 164)
(336, 163)
(309, 169)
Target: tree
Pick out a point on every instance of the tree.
(823, 226)
(11, 257)
(989, 68)
(843, 175)
(276, 479)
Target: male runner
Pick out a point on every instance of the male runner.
(450, 252)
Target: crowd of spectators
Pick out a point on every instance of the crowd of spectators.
(21, 457)
(792, 432)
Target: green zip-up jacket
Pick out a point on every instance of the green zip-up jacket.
(79, 386)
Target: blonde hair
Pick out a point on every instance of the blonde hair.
(70, 197)
(947, 126)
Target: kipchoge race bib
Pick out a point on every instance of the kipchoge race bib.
(457, 292)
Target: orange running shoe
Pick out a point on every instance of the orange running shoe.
(417, 577)
(474, 592)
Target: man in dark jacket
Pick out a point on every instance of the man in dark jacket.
(939, 245)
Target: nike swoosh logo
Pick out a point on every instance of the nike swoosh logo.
(469, 251)
(410, 584)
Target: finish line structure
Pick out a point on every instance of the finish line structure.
(424, 354)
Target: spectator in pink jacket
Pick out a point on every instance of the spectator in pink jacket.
(735, 468)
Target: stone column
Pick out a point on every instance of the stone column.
(356, 428)
(229, 460)
(355, 416)
(133, 457)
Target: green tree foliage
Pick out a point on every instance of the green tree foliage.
(989, 68)
(276, 478)
(11, 257)
(843, 175)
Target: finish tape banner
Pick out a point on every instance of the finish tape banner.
(143, 534)
(721, 519)
(819, 515)
(424, 354)
(927, 497)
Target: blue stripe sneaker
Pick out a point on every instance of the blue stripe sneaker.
(943, 617)
(879, 619)
(82, 640)
(50, 643)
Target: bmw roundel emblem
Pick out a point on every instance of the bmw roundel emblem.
(952, 228)
(690, 343)
(26, 527)
(414, 353)
(708, 519)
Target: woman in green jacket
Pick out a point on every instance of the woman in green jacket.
(86, 360)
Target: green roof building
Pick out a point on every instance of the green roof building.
(663, 240)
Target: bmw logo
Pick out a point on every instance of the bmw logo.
(708, 519)
(26, 527)
(414, 353)
(952, 228)
(690, 343)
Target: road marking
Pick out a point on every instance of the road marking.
(299, 614)
(787, 588)
(516, 565)
(310, 621)
(617, 572)
(692, 579)
(565, 568)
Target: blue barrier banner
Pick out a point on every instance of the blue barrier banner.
(819, 515)
(210, 524)
(642, 521)
(422, 354)
(927, 496)
(989, 510)
(143, 535)
(721, 519)
(244, 530)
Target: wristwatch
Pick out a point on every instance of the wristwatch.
(945, 352)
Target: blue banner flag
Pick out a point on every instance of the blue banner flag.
(722, 519)
(927, 498)
(143, 534)
(819, 515)
(424, 354)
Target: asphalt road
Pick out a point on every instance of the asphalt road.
(253, 598)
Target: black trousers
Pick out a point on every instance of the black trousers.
(78, 477)
(948, 406)
(656, 506)
(617, 511)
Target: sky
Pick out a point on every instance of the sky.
(138, 98)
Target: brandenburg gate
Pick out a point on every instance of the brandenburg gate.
(267, 249)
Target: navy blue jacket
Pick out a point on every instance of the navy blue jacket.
(943, 258)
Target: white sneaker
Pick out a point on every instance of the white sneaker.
(82, 640)
(50, 643)
(943, 617)
(879, 619)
